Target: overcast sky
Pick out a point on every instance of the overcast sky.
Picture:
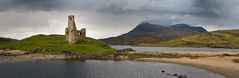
(106, 18)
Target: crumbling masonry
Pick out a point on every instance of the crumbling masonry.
(72, 34)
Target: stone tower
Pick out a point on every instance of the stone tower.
(82, 34)
(71, 31)
(72, 34)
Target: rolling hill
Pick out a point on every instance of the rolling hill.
(153, 33)
(58, 42)
(215, 39)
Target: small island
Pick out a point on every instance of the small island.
(73, 45)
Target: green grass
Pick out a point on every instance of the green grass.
(58, 42)
(236, 60)
(215, 39)
(237, 55)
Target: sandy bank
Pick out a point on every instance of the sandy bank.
(221, 65)
(203, 54)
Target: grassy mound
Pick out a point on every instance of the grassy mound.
(216, 39)
(58, 42)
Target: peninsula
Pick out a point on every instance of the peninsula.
(74, 42)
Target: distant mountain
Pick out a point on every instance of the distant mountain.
(191, 28)
(7, 39)
(151, 33)
(215, 39)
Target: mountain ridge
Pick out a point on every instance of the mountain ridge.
(214, 39)
(149, 33)
(188, 27)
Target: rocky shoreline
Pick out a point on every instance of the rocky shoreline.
(221, 65)
(11, 55)
(29, 57)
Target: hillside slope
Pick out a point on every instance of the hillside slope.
(7, 39)
(150, 33)
(190, 28)
(216, 39)
(58, 42)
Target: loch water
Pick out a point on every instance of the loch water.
(99, 69)
(170, 49)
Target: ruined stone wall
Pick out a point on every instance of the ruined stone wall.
(72, 34)
(67, 34)
(82, 34)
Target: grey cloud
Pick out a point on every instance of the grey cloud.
(116, 14)
(206, 8)
(20, 19)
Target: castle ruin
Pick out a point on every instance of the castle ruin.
(72, 34)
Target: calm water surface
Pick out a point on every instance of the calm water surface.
(98, 69)
(168, 49)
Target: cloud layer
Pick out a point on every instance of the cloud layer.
(105, 18)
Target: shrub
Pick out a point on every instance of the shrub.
(236, 60)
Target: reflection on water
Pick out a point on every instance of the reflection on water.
(168, 49)
(5, 57)
(99, 69)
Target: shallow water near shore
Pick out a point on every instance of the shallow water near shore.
(2, 57)
(169, 49)
(99, 69)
